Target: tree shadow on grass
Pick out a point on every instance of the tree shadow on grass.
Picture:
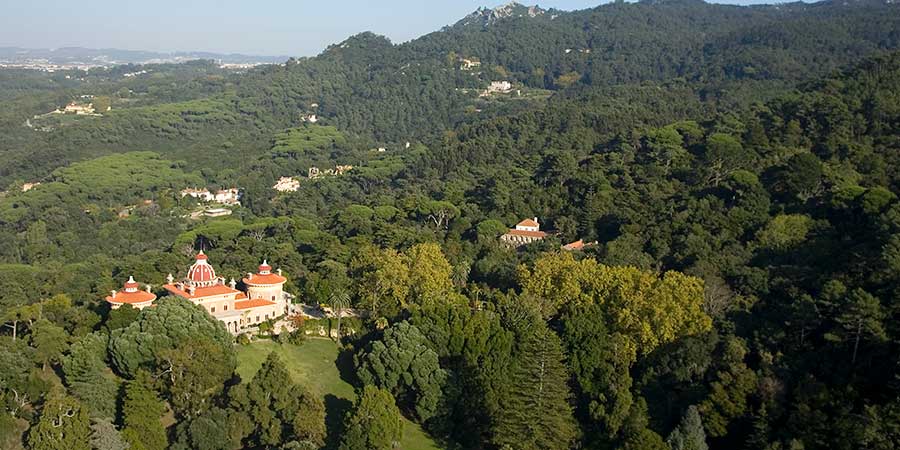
(335, 410)
(345, 366)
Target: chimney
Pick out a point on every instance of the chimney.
(279, 272)
(170, 278)
(249, 275)
(536, 221)
(191, 290)
(113, 293)
(232, 283)
(148, 288)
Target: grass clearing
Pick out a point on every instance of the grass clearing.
(316, 364)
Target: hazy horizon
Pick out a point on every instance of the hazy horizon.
(265, 28)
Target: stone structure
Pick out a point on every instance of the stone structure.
(525, 232)
(262, 299)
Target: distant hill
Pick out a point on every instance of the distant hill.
(112, 56)
(683, 57)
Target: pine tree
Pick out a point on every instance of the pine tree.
(537, 413)
(689, 434)
(280, 409)
(105, 436)
(374, 423)
(142, 410)
(64, 425)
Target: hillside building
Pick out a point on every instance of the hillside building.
(74, 108)
(230, 197)
(525, 232)
(287, 184)
(262, 299)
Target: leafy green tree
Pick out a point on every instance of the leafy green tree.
(121, 317)
(800, 178)
(666, 146)
(602, 375)
(689, 434)
(491, 229)
(105, 436)
(172, 323)
(785, 231)
(862, 318)
(402, 363)
(142, 412)
(63, 425)
(49, 340)
(476, 351)
(374, 423)
(438, 213)
(84, 369)
(429, 273)
(536, 412)
(724, 154)
(193, 373)
(728, 397)
(213, 429)
(382, 280)
(280, 410)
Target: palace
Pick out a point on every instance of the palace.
(262, 298)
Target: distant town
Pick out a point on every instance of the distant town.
(76, 58)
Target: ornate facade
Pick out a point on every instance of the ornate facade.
(263, 297)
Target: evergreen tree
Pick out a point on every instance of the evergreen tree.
(536, 412)
(689, 434)
(105, 436)
(83, 368)
(63, 425)
(374, 423)
(141, 411)
(403, 364)
(280, 410)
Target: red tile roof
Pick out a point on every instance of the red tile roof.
(527, 223)
(255, 303)
(200, 292)
(131, 297)
(577, 245)
(537, 234)
(264, 279)
(201, 271)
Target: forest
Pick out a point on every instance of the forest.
(737, 188)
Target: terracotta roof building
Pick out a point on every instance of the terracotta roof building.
(525, 232)
(131, 294)
(578, 245)
(260, 301)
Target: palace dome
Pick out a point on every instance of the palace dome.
(201, 272)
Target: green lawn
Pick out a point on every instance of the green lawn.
(315, 363)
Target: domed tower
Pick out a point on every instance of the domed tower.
(201, 273)
(131, 294)
(266, 285)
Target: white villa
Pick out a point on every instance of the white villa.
(525, 232)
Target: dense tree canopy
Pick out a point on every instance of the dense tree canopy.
(731, 173)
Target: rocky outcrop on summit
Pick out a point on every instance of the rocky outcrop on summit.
(486, 16)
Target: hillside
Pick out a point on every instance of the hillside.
(728, 56)
(677, 227)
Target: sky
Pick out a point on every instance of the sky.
(255, 27)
